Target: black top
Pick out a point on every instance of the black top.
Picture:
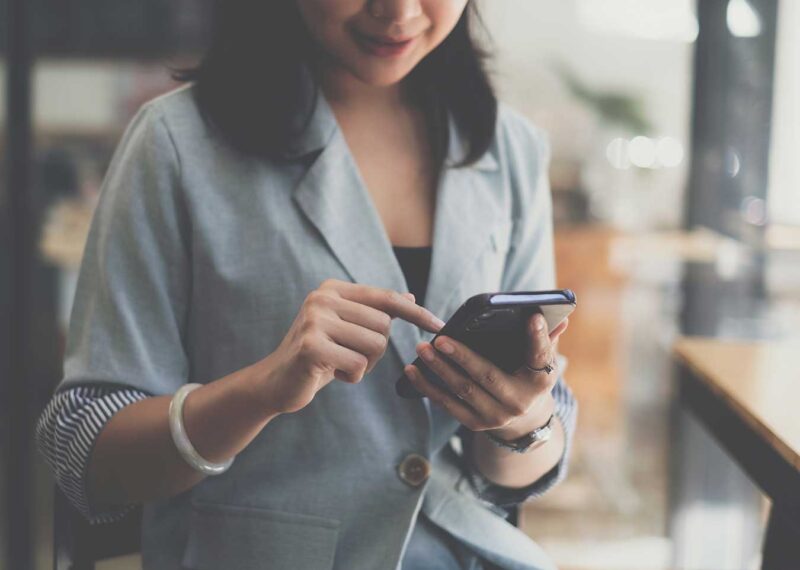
(416, 264)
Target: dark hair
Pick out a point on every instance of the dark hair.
(253, 74)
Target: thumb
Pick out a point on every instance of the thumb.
(410, 296)
(559, 330)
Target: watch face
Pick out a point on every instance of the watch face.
(539, 438)
(536, 443)
(527, 442)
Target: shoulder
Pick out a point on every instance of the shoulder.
(175, 107)
(519, 138)
(524, 151)
(177, 113)
(148, 165)
(147, 142)
(175, 124)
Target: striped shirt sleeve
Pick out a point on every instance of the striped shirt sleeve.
(566, 411)
(66, 433)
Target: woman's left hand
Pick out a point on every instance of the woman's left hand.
(487, 397)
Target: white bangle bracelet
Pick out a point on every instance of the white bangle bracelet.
(181, 439)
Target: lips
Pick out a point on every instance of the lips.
(388, 41)
(383, 46)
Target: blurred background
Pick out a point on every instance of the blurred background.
(674, 127)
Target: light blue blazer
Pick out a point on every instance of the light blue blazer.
(197, 261)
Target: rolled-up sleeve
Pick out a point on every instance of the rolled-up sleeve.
(127, 329)
(66, 433)
(530, 266)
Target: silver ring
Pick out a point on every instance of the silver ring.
(548, 368)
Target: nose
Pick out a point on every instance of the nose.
(395, 10)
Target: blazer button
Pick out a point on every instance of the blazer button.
(414, 469)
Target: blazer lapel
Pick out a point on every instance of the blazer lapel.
(333, 196)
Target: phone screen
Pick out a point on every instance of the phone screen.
(501, 298)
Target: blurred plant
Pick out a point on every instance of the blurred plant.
(613, 108)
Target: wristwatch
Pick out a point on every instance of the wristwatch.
(527, 442)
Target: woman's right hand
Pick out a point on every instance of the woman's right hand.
(341, 331)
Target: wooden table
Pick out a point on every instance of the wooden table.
(747, 395)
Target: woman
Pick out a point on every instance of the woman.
(328, 164)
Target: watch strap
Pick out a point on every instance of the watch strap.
(527, 441)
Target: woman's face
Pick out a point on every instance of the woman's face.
(344, 27)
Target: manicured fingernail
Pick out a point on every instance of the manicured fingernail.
(437, 322)
(444, 346)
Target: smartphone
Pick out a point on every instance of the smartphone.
(494, 325)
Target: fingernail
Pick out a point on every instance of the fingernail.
(426, 354)
(539, 322)
(437, 322)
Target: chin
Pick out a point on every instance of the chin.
(381, 79)
(380, 74)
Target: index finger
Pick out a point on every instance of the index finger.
(393, 303)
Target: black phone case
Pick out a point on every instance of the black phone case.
(497, 332)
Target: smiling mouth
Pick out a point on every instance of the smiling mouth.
(382, 46)
(386, 41)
